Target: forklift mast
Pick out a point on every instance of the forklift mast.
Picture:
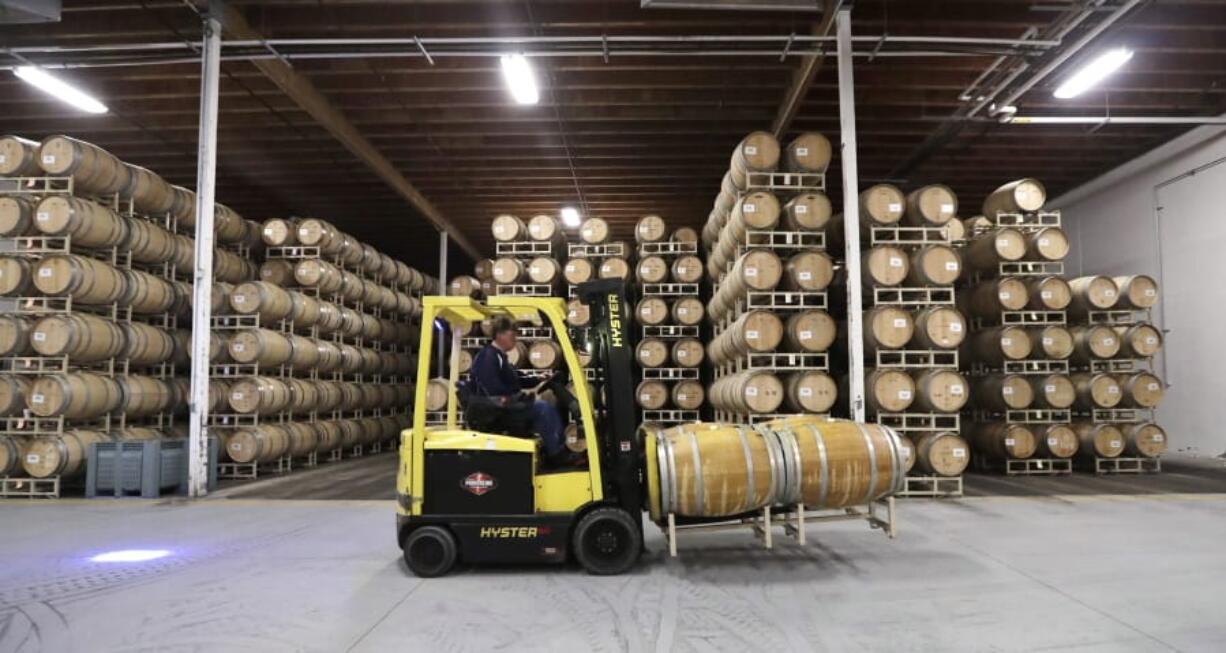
(613, 350)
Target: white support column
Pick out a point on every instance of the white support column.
(851, 217)
(442, 282)
(202, 279)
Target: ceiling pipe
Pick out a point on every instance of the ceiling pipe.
(1115, 120)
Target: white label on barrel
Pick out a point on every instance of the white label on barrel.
(900, 323)
(646, 310)
(587, 232)
(535, 355)
(1002, 242)
(645, 397)
(1048, 341)
(1045, 294)
(1006, 391)
(1043, 242)
(1109, 292)
(751, 150)
(1051, 442)
(236, 396)
(749, 208)
(533, 269)
(681, 353)
(801, 209)
(805, 276)
(893, 207)
(1113, 390)
(48, 158)
(39, 336)
(951, 265)
(1009, 442)
(1108, 341)
(1006, 342)
(239, 347)
(1157, 437)
(1005, 294)
(947, 208)
(806, 335)
(32, 459)
(573, 314)
(751, 272)
(904, 394)
(751, 391)
(1152, 386)
(681, 310)
(1115, 444)
(37, 399)
(645, 354)
(751, 334)
(959, 453)
(570, 267)
(235, 446)
(955, 327)
(955, 390)
(500, 227)
(1149, 340)
(682, 396)
(43, 216)
(1149, 292)
(806, 392)
(535, 229)
(895, 262)
(239, 299)
(1049, 388)
(44, 272)
(800, 151)
(3, 158)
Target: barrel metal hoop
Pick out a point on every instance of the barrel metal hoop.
(740, 431)
(774, 450)
(699, 490)
(899, 482)
(824, 465)
(872, 456)
(61, 448)
(664, 469)
(792, 465)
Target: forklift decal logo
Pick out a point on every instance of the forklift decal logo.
(615, 321)
(513, 532)
(478, 483)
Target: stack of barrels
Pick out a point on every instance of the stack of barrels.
(529, 255)
(98, 265)
(912, 328)
(315, 357)
(765, 245)
(669, 313)
(594, 256)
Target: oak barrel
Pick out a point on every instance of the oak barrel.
(809, 152)
(94, 171)
(807, 212)
(1096, 391)
(1146, 440)
(1141, 390)
(594, 231)
(808, 271)
(75, 395)
(144, 395)
(1056, 441)
(87, 223)
(1137, 291)
(687, 311)
(614, 267)
(577, 270)
(1051, 342)
(1098, 440)
(82, 337)
(931, 205)
(1094, 293)
(15, 335)
(260, 395)
(748, 392)
(650, 311)
(1048, 293)
(888, 390)
(651, 352)
(86, 280)
(651, 269)
(837, 463)
(268, 302)
(1094, 342)
(942, 454)
(1141, 340)
(1001, 441)
(811, 391)
(882, 205)
(996, 345)
(887, 327)
(886, 265)
(1053, 391)
(60, 455)
(651, 394)
(1002, 392)
(16, 216)
(1020, 196)
(650, 229)
(687, 395)
(257, 444)
(986, 250)
(18, 157)
(1047, 244)
(809, 331)
(941, 391)
(14, 388)
(687, 352)
(939, 327)
(714, 470)
(757, 152)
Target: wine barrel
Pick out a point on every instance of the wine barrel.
(651, 394)
(1098, 440)
(268, 302)
(1048, 293)
(687, 352)
(60, 455)
(508, 228)
(87, 223)
(1096, 391)
(1051, 342)
(183, 206)
(754, 331)
(1141, 340)
(757, 269)
(757, 152)
(941, 391)
(1020, 196)
(12, 451)
(304, 353)
(231, 268)
(317, 273)
(144, 395)
(976, 225)
(329, 318)
(934, 265)
(278, 272)
(838, 463)
(809, 331)
(544, 270)
(148, 192)
(509, 270)
(996, 345)
(14, 388)
(594, 231)
(887, 327)
(483, 269)
(881, 205)
(75, 395)
(652, 311)
(1000, 441)
(305, 310)
(518, 356)
(650, 229)
(1094, 342)
(810, 391)
(94, 171)
(16, 216)
(954, 231)
(651, 352)
(888, 390)
(886, 265)
(314, 232)
(1056, 441)
(1138, 291)
(18, 158)
(1096, 293)
(748, 392)
(577, 271)
(756, 211)
(931, 205)
(807, 212)
(1141, 390)
(260, 395)
(713, 470)
(544, 228)
(687, 311)
(687, 395)
(86, 280)
(1047, 244)
(613, 267)
(942, 454)
(437, 393)
(578, 314)
(464, 286)
(1146, 440)
(651, 269)
(939, 327)
(1053, 391)
(686, 268)
(545, 354)
(16, 276)
(229, 227)
(15, 335)
(149, 243)
(809, 152)
(684, 235)
(261, 346)
(146, 345)
(1002, 392)
(809, 271)
(149, 295)
(985, 251)
(257, 444)
(82, 337)
(279, 232)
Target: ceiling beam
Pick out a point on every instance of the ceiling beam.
(300, 89)
(802, 79)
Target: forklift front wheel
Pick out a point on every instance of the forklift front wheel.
(607, 541)
(430, 551)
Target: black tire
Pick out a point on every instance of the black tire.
(430, 551)
(608, 541)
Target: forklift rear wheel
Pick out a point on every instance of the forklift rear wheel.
(430, 551)
(607, 541)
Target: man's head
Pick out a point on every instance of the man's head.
(504, 334)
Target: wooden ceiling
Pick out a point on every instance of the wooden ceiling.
(624, 137)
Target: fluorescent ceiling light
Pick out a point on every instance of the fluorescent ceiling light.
(521, 81)
(570, 216)
(131, 555)
(1093, 73)
(58, 88)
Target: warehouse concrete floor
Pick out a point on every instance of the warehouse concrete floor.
(1106, 573)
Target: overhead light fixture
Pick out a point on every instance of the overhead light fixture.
(59, 89)
(520, 79)
(1093, 73)
(571, 217)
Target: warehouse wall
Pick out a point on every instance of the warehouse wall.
(1162, 215)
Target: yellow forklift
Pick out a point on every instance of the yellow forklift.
(484, 497)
